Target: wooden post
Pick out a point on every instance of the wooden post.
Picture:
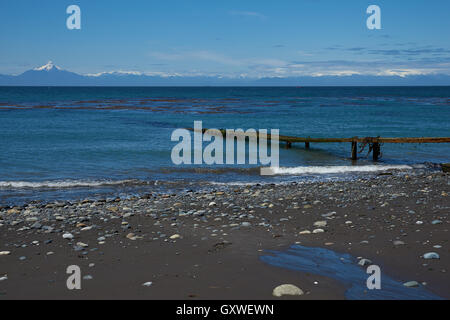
(354, 150)
(376, 151)
(445, 167)
(288, 145)
(306, 145)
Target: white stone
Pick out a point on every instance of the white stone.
(287, 289)
(431, 255)
(364, 262)
(320, 224)
(81, 244)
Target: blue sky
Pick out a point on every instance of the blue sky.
(228, 38)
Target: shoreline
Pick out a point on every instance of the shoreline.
(17, 193)
(208, 245)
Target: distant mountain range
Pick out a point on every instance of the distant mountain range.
(52, 75)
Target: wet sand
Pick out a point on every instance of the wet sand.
(208, 245)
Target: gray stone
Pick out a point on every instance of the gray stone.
(287, 289)
(411, 284)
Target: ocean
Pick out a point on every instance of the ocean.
(73, 143)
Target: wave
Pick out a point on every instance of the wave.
(334, 169)
(67, 183)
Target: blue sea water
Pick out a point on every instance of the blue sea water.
(74, 142)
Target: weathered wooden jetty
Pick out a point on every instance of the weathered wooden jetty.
(374, 143)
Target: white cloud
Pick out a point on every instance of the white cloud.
(258, 67)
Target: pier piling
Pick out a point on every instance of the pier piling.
(376, 151)
(354, 150)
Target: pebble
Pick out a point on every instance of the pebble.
(5, 253)
(411, 284)
(363, 262)
(328, 215)
(320, 224)
(305, 232)
(287, 289)
(81, 244)
(436, 222)
(318, 230)
(5, 277)
(175, 236)
(398, 243)
(246, 224)
(36, 225)
(131, 236)
(147, 284)
(67, 236)
(431, 255)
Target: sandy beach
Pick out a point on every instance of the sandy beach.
(209, 245)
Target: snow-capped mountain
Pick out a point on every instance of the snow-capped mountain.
(52, 75)
(50, 66)
(46, 75)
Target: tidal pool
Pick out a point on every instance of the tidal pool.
(345, 269)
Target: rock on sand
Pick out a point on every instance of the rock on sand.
(287, 289)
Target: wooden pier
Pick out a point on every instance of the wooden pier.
(374, 143)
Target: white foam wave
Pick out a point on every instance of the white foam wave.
(63, 183)
(334, 169)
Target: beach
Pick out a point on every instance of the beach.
(219, 158)
(215, 244)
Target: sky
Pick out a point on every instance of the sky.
(227, 38)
